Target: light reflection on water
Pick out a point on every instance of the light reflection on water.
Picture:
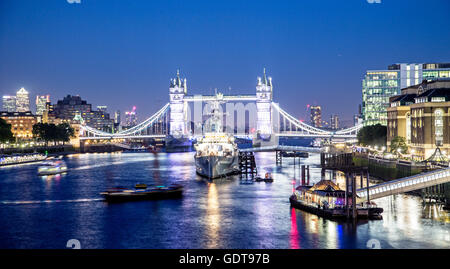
(45, 212)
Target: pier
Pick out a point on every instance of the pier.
(247, 165)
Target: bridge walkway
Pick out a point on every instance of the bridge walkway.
(406, 184)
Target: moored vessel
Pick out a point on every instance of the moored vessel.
(326, 199)
(216, 152)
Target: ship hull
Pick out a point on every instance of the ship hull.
(216, 166)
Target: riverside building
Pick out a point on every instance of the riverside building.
(379, 85)
(420, 114)
(21, 123)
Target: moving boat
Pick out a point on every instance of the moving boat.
(140, 193)
(216, 152)
(52, 168)
(267, 178)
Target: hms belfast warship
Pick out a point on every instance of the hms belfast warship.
(216, 152)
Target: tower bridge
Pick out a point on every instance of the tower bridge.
(267, 119)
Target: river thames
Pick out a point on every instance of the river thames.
(46, 212)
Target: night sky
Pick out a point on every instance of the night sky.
(122, 53)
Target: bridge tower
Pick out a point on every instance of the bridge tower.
(177, 92)
(263, 105)
(264, 94)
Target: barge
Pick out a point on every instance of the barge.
(327, 200)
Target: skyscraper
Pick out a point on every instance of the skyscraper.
(41, 102)
(9, 103)
(316, 116)
(334, 122)
(131, 117)
(117, 117)
(22, 101)
(379, 85)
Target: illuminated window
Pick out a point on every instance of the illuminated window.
(437, 99)
(408, 128)
(439, 126)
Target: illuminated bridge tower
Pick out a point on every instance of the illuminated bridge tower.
(263, 105)
(177, 92)
(264, 127)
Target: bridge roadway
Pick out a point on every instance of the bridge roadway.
(406, 184)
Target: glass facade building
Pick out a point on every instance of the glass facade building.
(22, 101)
(9, 103)
(41, 104)
(379, 85)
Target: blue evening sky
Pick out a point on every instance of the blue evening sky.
(122, 53)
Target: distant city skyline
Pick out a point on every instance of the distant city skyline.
(123, 54)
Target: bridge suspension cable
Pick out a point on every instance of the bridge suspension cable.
(136, 129)
(313, 130)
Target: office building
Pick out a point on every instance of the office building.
(102, 108)
(379, 85)
(73, 106)
(41, 103)
(131, 118)
(334, 122)
(316, 116)
(9, 103)
(117, 117)
(22, 101)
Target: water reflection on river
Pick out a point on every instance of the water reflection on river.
(45, 212)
